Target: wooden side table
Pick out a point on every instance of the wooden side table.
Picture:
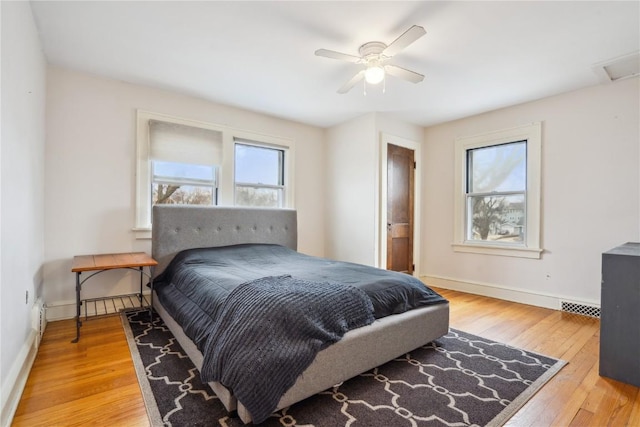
(99, 263)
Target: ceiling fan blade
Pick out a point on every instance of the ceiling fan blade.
(337, 55)
(403, 73)
(351, 83)
(408, 37)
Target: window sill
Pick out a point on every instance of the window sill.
(142, 233)
(518, 252)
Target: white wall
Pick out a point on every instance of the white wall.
(386, 123)
(590, 196)
(90, 173)
(351, 190)
(21, 195)
(353, 185)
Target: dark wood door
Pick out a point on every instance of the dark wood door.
(400, 188)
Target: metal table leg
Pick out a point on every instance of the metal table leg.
(78, 321)
(141, 279)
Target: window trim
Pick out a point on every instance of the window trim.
(530, 248)
(226, 173)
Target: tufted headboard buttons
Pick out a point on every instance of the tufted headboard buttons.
(180, 227)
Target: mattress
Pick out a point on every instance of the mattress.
(196, 282)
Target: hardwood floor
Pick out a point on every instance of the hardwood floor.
(94, 382)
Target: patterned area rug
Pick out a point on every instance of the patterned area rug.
(457, 380)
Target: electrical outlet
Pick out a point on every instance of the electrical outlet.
(26, 298)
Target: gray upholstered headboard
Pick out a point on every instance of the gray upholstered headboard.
(179, 227)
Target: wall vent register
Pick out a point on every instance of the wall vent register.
(582, 309)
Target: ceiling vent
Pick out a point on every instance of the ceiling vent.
(619, 68)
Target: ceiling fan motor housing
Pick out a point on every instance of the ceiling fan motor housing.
(372, 51)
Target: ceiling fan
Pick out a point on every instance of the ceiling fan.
(374, 56)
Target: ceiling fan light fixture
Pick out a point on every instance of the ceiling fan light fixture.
(374, 74)
(374, 56)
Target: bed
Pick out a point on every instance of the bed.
(186, 235)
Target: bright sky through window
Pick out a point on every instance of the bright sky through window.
(498, 168)
(258, 165)
(183, 170)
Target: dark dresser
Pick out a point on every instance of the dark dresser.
(620, 314)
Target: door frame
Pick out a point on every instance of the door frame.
(386, 139)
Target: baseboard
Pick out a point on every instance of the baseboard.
(538, 299)
(17, 378)
(61, 310)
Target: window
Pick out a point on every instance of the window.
(178, 161)
(496, 192)
(183, 161)
(497, 209)
(259, 175)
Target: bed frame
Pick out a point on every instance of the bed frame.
(176, 228)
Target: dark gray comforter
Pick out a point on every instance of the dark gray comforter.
(270, 330)
(195, 285)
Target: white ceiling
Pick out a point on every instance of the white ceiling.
(477, 56)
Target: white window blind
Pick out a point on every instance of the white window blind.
(173, 142)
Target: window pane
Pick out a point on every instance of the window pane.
(258, 165)
(256, 196)
(497, 168)
(182, 194)
(183, 170)
(497, 218)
